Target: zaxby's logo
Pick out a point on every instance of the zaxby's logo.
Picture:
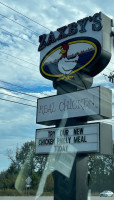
(70, 57)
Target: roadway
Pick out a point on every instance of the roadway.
(49, 198)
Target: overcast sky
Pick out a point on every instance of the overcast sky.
(20, 61)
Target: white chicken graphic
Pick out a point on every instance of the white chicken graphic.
(65, 64)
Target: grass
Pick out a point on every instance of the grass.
(13, 192)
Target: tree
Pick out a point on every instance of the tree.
(101, 170)
(24, 162)
(27, 154)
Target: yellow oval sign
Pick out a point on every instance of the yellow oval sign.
(69, 57)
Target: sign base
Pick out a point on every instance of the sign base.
(76, 186)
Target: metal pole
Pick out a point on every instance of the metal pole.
(76, 186)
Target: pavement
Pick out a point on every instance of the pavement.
(49, 198)
(25, 198)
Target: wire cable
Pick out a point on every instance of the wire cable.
(17, 97)
(21, 87)
(17, 85)
(46, 95)
(18, 58)
(18, 92)
(109, 69)
(18, 36)
(20, 65)
(111, 62)
(22, 103)
(17, 102)
(19, 24)
(25, 16)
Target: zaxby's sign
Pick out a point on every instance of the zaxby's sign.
(94, 103)
(83, 46)
(82, 138)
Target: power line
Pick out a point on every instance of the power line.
(19, 24)
(25, 16)
(17, 85)
(17, 102)
(32, 70)
(20, 65)
(17, 97)
(21, 103)
(18, 58)
(22, 93)
(111, 62)
(18, 92)
(20, 87)
(18, 36)
(109, 69)
(27, 62)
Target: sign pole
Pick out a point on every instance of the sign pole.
(76, 186)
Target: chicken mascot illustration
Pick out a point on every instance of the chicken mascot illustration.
(65, 64)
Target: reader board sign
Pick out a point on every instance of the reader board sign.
(83, 46)
(89, 138)
(94, 103)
